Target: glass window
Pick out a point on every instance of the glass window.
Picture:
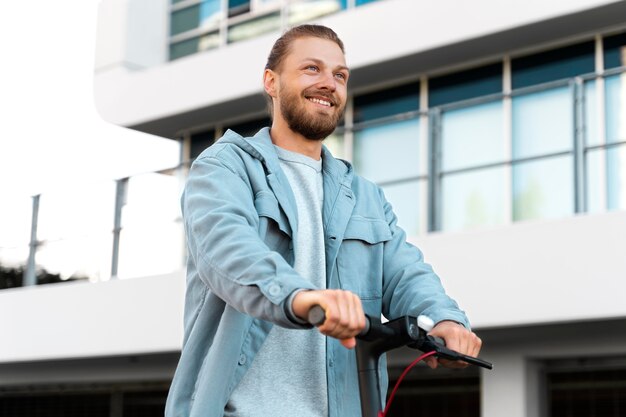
(474, 198)
(592, 137)
(306, 10)
(473, 136)
(191, 46)
(402, 99)
(389, 152)
(615, 97)
(553, 65)
(595, 167)
(406, 199)
(207, 13)
(543, 122)
(609, 163)
(254, 27)
(465, 85)
(543, 188)
(335, 144)
(616, 177)
(615, 51)
(185, 19)
(237, 7)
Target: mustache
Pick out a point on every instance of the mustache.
(330, 97)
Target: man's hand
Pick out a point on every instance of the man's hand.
(457, 338)
(344, 313)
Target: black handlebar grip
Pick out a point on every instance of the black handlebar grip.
(316, 316)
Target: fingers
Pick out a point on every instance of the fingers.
(457, 338)
(344, 313)
(432, 362)
(348, 343)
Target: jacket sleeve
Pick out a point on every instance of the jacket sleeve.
(221, 225)
(410, 286)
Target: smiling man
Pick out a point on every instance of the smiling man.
(275, 225)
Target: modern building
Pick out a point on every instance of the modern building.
(496, 129)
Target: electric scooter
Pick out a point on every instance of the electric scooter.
(377, 338)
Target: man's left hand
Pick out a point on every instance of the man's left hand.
(457, 338)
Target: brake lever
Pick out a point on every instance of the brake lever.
(427, 343)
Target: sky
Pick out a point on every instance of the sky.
(51, 135)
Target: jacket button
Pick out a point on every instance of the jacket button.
(274, 290)
(242, 359)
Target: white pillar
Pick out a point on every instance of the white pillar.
(514, 388)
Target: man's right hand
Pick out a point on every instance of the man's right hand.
(344, 313)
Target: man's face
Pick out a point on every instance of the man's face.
(312, 87)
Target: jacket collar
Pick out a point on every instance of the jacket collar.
(261, 147)
(338, 175)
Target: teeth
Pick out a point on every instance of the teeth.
(322, 102)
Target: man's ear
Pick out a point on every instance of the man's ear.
(269, 82)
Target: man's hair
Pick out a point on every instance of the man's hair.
(282, 45)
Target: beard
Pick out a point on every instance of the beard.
(312, 125)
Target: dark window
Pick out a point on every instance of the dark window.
(102, 401)
(200, 141)
(56, 405)
(144, 404)
(587, 393)
(615, 51)
(437, 397)
(553, 65)
(249, 128)
(388, 102)
(465, 85)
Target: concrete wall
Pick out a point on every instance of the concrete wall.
(530, 273)
(535, 272)
(80, 319)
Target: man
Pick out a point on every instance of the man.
(276, 225)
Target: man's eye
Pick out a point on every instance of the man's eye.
(312, 68)
(340, 75)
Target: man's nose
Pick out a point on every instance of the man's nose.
(328, 81)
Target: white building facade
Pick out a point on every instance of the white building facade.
(496, 129)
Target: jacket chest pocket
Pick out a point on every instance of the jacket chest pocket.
(360, 257)
(274, 228)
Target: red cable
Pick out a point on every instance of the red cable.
(395, 388)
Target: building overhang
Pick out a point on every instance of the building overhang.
(208, 88)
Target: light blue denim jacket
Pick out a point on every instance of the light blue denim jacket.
(240, 219)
